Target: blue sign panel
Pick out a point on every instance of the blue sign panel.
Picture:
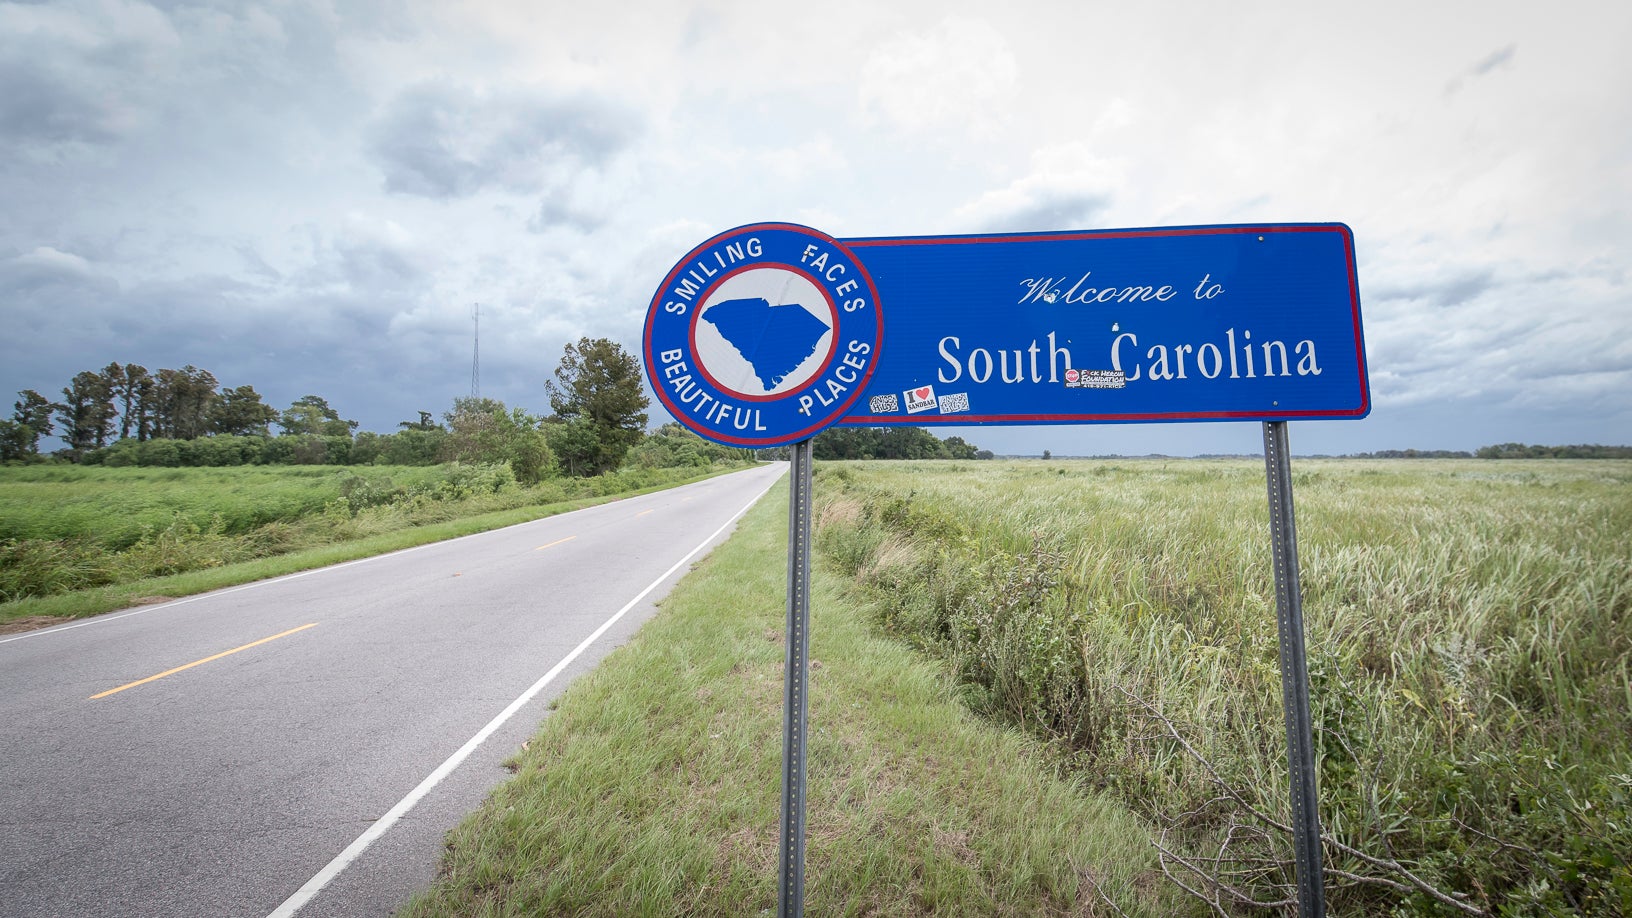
(1213, 323)
(763, 335)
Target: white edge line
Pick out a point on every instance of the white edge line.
(110, 617)
(341, 861)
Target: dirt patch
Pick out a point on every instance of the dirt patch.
(150, 600)
(31, 623)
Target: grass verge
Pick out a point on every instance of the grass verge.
(43, 611)
(654, 787)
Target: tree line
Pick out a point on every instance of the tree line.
(1505, 451)
(884, 443)
(1578, 451)
(125, 414)
(127, 401)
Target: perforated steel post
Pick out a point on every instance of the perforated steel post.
(1294, 674)
(796, 706)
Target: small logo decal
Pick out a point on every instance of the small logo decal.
(952, 404)
(1095, 379)
(883, 404)
(920, 399)
(763, 335)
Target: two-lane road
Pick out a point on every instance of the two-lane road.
(305, 742)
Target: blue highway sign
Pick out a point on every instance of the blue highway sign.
(1207, 323)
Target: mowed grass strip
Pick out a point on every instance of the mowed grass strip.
(654, 788)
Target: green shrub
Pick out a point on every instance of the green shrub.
(41, 567)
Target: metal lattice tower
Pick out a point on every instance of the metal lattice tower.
(476, 351)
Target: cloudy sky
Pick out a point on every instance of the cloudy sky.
(308, 197)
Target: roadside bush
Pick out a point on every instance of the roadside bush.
(674, 446)
(41, 567)
(410, 447)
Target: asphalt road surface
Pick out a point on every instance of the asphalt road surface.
(332, 725)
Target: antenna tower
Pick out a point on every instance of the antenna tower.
(476, 351)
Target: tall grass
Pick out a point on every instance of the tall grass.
(1469, 644)
(64, 529)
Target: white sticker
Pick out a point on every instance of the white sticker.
(920, 399)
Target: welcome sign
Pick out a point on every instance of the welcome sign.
(1220, 323)
(768, 333)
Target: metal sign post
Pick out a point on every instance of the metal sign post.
(1283, 534)
(760, 337)
(790, 900)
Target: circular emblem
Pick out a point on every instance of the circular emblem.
(763, 335)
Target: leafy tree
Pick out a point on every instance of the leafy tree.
(311, 415)
(239, 411)
(412, 447)
(576, 446)
(425, 422)
(1574, 451)
(674, 446)
(15, 440)
(130, 386)
(599, 383)
(30, 420)
(847, 443)
(910, 443)
(888, 443)
(484, 430)
(86, 411)
(143, 412)
(113, 381)
(181, 403)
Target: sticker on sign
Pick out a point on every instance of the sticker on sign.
(920, 399)
(1095, 379)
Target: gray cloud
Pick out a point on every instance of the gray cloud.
(78, 76)
(39, 107)
(1496, 60)
(1442, 291)
(1499, 58)
(560, 208)
(440, 141)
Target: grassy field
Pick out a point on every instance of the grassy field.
(1469, 646)
(79, 541)
(654, 787)
(1051, 688)
(117, 507)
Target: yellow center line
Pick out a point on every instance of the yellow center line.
(228, 653)
(555, 543)
(644, 512)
